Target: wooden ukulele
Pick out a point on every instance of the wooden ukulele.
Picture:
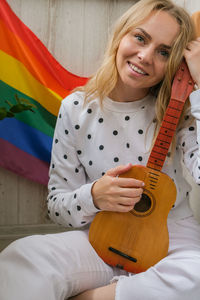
(137, 240)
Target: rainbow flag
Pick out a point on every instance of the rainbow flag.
(28, 71)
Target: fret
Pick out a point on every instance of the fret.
(154, 174)
(154, 181)
(158, 152)
(152, 185)
(171, 113)
(175, 103)
(172, 123)
(161, 141)
(174, 108)
(168, 115)
(156, 158)
(154, 166)
(159, 156)
(166, 124)
(160, 147)
(165, 133)
(164, 138)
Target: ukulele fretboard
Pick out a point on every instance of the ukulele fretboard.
(165, 135)
(182, 87)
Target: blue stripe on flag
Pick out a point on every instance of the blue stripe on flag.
(26, 138)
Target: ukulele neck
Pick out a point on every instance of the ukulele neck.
(165, 135)
(183, 85)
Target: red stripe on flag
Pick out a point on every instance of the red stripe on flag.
(66, 79)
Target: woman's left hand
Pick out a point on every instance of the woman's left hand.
(192, 57)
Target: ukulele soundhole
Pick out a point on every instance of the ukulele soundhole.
(145, 205)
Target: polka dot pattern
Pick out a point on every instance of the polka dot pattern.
(84, 149)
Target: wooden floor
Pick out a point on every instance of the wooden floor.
(11, 233)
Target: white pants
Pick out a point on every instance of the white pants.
(57, 266)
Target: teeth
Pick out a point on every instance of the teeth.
(136, 69)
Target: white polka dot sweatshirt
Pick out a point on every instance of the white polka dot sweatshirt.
(89, 140)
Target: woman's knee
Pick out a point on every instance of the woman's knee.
(21, 245)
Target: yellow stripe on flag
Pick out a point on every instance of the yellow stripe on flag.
(17, 76)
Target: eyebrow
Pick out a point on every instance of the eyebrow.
(150, 38)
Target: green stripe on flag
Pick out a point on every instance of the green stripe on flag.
(41, 119)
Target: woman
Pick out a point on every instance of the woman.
(102, 130)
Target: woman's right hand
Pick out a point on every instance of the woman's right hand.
(113, 193)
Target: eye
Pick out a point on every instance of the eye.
(140, 38)
(164, 53)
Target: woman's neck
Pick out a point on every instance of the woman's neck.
(127, 94)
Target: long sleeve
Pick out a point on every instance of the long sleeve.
(189, 138)
(69, 200)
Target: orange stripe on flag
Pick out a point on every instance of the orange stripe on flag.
(64, 78)
(14, 46)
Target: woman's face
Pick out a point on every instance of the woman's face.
(143, 55)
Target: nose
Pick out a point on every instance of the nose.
(145, 55)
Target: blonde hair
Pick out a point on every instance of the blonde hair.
(104, 80)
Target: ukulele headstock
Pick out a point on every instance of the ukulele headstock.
(183, 83)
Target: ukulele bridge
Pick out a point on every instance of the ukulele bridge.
(133, 259)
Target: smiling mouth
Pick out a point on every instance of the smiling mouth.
(136, 69)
